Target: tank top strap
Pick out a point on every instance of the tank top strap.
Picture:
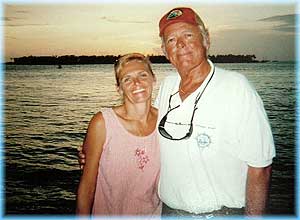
(110, 123)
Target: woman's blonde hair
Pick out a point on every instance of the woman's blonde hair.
(125, 59)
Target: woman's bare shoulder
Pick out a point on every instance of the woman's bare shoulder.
(97, 120)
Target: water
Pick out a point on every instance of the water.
(47, 111)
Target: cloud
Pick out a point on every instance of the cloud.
(22, 12)
(284, 23)
(6, 19)
(11, 21)
(123, 21)
(25, 25)
(290, 18)
(10, 37)
(265, 45)
(20, 18)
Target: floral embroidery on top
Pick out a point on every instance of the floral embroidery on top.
(142, 158)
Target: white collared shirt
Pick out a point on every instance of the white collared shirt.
(230, 132)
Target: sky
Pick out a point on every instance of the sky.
(266, 30)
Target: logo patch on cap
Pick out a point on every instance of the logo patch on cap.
(174, 14)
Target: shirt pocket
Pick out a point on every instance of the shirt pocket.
(205, 138)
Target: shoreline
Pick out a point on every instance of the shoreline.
(111, 59)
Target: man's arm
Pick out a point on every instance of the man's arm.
(81, 157)
(257, 190)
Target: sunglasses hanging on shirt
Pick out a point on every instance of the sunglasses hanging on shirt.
(161, 126)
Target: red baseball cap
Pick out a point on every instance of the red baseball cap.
(176, 15)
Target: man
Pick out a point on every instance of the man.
(216, 142)
(215, 138)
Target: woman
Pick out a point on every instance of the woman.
(121, 173)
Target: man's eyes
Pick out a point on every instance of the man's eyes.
(173, 39)
(170, 40)
(144, 74)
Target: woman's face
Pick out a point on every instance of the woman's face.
(136, 82)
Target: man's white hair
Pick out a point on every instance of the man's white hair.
(204, 32)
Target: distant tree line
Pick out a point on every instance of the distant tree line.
(109, 59)
(230, 58)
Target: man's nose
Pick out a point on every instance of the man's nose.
(180, 43)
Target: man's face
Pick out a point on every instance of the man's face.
(184, 45)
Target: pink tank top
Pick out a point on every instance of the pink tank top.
(128, 172)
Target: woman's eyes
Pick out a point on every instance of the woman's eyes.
(129, 79)
(126, 80)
